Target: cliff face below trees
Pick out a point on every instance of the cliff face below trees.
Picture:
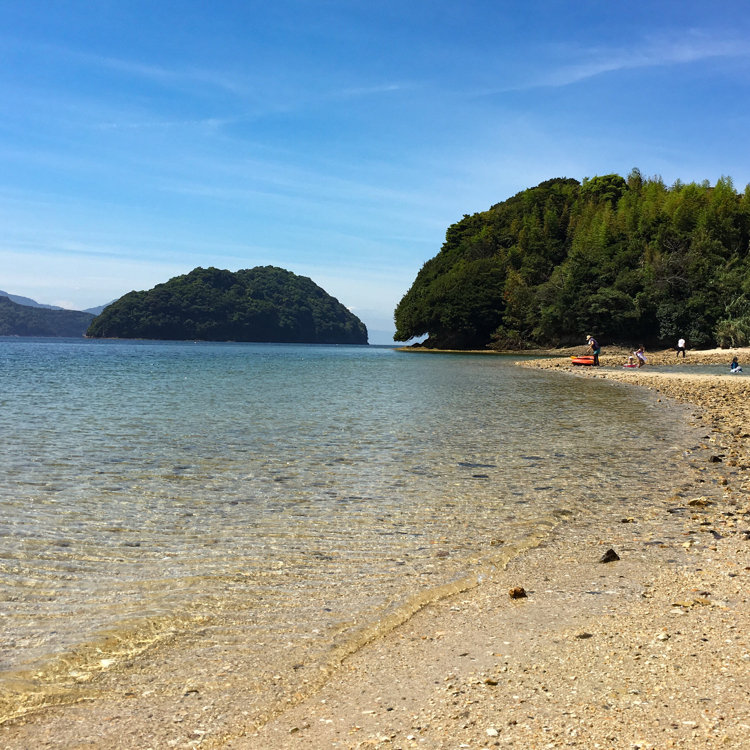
(264, 304)
(627, 260)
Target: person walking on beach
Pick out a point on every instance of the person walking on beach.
(640, 355)
(594, 347)
(681, 348)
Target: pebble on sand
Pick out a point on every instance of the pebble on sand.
(609, 556)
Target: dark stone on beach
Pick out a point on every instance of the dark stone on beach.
(584, 635)
(715, 459)
(609, 556)
(517, 592)
(480, 476)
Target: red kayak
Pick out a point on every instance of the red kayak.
(585, 359)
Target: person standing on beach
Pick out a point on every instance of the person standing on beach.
(595, 348)
(640, 355)
(681, 348)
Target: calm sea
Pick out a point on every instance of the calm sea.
(274, 505)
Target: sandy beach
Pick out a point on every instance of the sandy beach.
(648, 650)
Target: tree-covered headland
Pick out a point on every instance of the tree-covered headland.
(264, 304)
(630, 260)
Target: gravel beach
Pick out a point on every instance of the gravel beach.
(650, 650)
(561, 648)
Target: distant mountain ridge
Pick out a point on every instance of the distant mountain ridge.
(27, 301)
(27, 320)
(98, 309)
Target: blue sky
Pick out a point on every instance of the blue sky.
(337, 139)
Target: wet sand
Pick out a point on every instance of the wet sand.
(651, 650)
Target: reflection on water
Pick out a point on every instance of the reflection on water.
(278, 498)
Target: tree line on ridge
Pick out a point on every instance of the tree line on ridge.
(630, 260)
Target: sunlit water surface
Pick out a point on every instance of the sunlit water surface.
(279, 498)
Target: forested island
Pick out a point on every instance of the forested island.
(23, 320)
(263, 304)
(629, 260)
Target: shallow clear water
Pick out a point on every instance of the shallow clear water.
(280, 498)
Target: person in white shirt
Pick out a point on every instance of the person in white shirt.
(681, 348)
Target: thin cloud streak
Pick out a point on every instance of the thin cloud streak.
(652, 52)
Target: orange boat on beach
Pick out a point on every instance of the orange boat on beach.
(585, 359)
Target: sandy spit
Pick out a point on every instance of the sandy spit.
(648, 651)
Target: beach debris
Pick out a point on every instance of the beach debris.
(697, 602)
(492, 732)
(517, 592)
(700, 502)
(584, 635)
(609, 556)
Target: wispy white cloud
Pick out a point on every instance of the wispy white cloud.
(569, 65)
(265, 89)
(176, 75)
(383, 88)
(206, 124)
(653, 52)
